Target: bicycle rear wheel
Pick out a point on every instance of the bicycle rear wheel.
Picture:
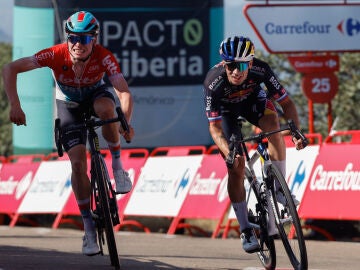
(258, 215)
(102, 180)
(288, 222)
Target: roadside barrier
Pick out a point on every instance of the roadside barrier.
(185, 183)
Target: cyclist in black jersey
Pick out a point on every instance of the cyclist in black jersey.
(233, 88)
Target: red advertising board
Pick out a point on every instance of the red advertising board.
(315, 63)
(333, 187)
(207, 196)
(320, 87)
(15, 181)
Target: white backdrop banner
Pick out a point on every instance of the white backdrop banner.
(50, 188)
(163, 186)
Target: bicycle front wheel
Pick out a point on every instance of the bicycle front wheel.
(258, 215)
(287, 221)
(102, 180)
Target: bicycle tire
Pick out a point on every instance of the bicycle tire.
(258, 215)
(288, 223)
(102, 178)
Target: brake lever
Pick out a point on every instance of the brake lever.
(295, 132)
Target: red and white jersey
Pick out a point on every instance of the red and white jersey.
(68, 86)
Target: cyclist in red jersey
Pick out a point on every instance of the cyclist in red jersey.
(78, 66)
(233, 88)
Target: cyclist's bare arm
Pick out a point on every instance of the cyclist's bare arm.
(290, 112)
(218, 137)
(9, 73)
(122, 91)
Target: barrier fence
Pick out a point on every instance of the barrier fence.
(184, 183)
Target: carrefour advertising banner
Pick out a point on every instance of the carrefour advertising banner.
(304, 28)
(164, 49)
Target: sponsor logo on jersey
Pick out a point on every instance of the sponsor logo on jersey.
(45, 55)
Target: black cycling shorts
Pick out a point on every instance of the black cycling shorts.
(71, 112)
(252, 109)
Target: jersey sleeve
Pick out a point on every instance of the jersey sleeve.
(275, 89)
(109, 62)
(45, 57)
(212, 83)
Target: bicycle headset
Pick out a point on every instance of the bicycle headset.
(237, 49)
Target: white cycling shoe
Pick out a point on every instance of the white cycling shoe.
(249, 241)
(122, 181)
(90, 246)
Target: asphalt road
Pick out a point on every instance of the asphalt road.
(44, 248)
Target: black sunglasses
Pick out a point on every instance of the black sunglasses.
(241, 66)
(81, 39)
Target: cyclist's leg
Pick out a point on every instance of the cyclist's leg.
(74, 144)
(236, 190)
(277, 149)
(104, 108)
(236, 176)
(269, 121)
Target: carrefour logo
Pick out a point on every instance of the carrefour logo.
(349, 27)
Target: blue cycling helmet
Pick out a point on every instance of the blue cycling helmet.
(82, 22)
(237, 49)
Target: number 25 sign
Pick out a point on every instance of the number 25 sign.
(320, 87)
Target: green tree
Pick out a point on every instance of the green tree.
(346, 102)
(5, 125)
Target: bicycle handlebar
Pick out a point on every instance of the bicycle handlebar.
(235, 141)
(88, 123)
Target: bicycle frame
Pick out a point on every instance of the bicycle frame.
(270, 218)
(103, 196)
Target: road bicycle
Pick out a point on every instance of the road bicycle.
(103, 197)
(269, 217)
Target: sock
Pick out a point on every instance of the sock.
(115, 154)
(240, 210)
(84, 207)
(281, 166)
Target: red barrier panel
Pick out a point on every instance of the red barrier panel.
(3, 159)
(26, 158)
(15, 180)
(54, 156)
(132, 159)
(333, 187)
(178, 150)
(207, 196)
(345, 136)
